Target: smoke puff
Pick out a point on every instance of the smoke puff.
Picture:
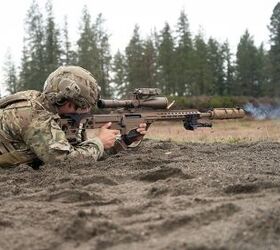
(263, 111)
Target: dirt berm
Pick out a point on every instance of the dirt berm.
(162, 196)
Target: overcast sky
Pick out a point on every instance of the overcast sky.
(221, 19)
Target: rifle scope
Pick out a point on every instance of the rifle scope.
(157, 102)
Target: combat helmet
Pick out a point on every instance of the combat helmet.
(72, 83)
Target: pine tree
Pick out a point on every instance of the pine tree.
(229, 69)
(134, 58)
(52, 45)
(216, 64)
(183, 54)
(120, 75)
(11, 82)
(202, 83)
(166, 61)
(149, 64)
(32, 74)
(247, 67)
(87, 53)
(274, 52)
(94, 51)
(104, 56)
(69, 56)
(25, 70)
(138, 67)
(262, 72)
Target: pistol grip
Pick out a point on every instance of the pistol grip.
(131, 136)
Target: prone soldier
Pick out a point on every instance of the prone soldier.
(29, 127)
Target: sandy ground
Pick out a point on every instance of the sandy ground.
(162, 196)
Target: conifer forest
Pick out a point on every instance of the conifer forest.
(173, 59)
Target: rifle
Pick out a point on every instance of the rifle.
(145, 106)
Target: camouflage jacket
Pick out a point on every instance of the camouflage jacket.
(29, 131)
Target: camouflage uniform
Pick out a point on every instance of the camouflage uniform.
(29, 131)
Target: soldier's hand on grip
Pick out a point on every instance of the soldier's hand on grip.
(107, 135)
(135, 135)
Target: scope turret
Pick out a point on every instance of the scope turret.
(146, 92)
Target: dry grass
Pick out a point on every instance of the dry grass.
(229, 131)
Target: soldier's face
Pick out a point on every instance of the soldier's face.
(70, 107)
